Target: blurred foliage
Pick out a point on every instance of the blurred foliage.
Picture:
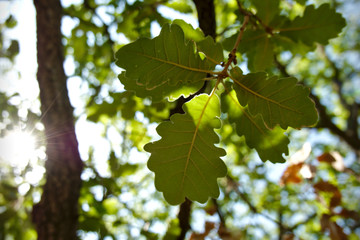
(315, 195)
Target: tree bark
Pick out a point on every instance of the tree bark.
(56, 215)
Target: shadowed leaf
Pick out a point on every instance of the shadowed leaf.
(279, 101)
(270, 144)
(316, 25)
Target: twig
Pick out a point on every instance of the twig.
(232, 54)
(219, 212)
(254, 17)
(352, 121)
(235, 186)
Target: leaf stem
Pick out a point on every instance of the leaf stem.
(232, 54)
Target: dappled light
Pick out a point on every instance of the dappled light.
(165, 119)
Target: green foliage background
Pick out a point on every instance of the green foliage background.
(254, 202)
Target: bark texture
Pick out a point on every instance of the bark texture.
(56, 215)
(206, 16)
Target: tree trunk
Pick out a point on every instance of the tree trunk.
(56, 215)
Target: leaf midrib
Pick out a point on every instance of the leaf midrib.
(263, 97)
(175, 64)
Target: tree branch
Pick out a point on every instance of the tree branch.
(235, 186)
(254, 18)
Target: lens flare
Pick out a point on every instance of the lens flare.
(17, 148)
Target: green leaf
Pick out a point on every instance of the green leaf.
(181, 6)
(171, 92)
(213, 51)
(266, 9)
(189, 32)
(316, 25)
(185, 161)
(166, 59)
(262, 56)
(270, 144)
(279, 101)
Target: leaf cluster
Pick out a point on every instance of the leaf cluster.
(172, 65)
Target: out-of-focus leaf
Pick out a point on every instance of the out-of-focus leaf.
(89, 224)
(291, 174)
(331, 188)
(266, 9)
(333, 158)
(10, 22)
(180, 6)
(336, 232)
(111, 205)
(189, 32)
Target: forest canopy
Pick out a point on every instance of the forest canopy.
(195, 119)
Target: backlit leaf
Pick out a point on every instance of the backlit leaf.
(279, 101)
(189, 32)
(185, 161)
(262, 56)
(316, 25)
(166, 59)
(266, 9)
(213, 51)
(171, 92)
(270, 144)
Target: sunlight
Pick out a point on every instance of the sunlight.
(18, 147)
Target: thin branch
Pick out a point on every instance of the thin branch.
(335, 78)
(219, 212)
(232, 54)
(235, 186)
(254, 18)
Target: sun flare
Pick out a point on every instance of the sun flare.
(18, 147)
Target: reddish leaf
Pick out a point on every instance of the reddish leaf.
(291, 174)
(336, 199)
(326, 157)
(199, 236)
(333, 158)
(349, 214)
(336, 232)
(325, 187)
(288, 236)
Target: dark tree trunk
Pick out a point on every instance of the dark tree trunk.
(56, 215)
